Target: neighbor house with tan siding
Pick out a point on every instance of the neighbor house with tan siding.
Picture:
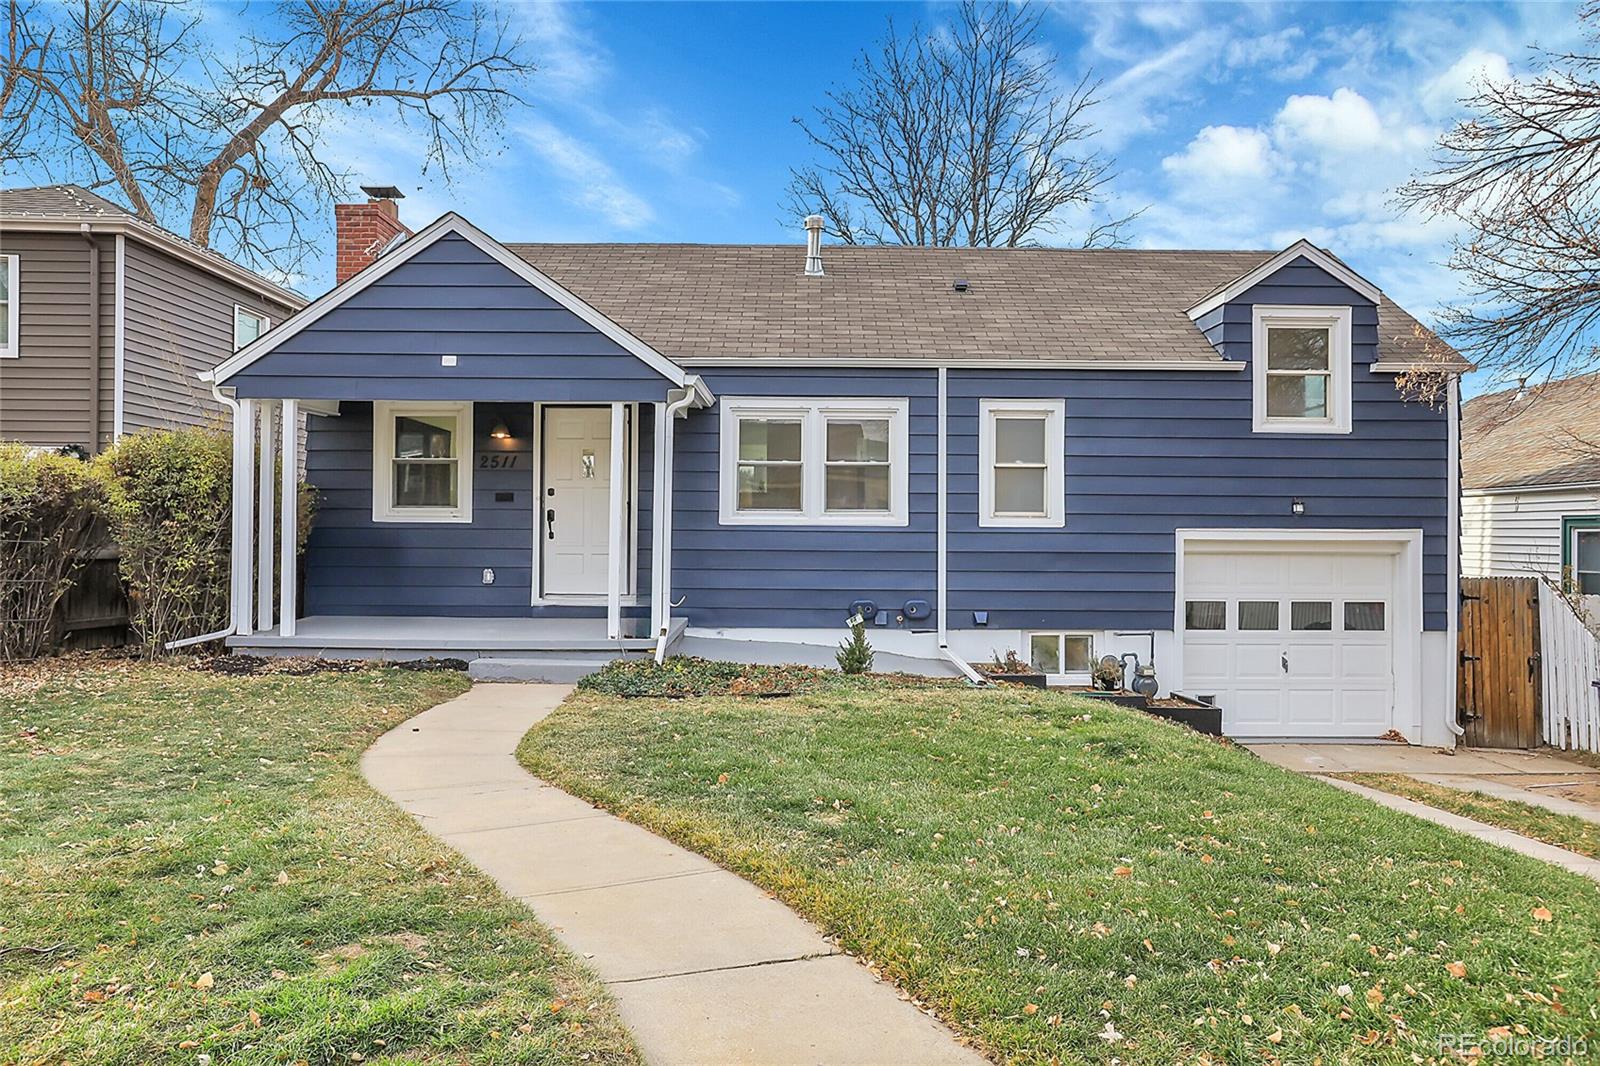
(106, 320)
(1530, 476)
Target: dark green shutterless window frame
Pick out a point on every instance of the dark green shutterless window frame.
(1570, 524)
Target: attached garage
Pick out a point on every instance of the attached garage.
(1302, 633)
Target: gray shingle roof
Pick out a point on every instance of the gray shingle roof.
(74, 203)
(1549, 436)
(709, 303)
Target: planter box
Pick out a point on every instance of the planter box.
(1201, 717)
(1029, 680)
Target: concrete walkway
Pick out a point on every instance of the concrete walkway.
(706, 967)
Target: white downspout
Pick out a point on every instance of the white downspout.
(663, 561)
(1453, 602)
(944, 523)
(238, 562)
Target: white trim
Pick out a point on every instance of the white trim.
(676, 404)
(384, 412)
(1302, 247)
(1337, 321)
(1054, 413)
(1410, 608)
(289, 517)
(942, 602)
(614, 523)
(630, 591)
(266, 497)
(244, 442)
(166, 242)
(241, 309)
(13, 346)
(813, 414)
(1381, 366)
(1207, 364)
(1500, 490)
(452, 223)
(1453, 572)
(658, 504)
(119, 358)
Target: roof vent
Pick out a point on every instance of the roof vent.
(959, 285)
(813, 246)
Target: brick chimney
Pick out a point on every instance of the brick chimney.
(362, 231)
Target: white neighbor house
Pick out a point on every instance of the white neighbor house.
(1530, 463)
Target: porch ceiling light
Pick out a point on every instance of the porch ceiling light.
(500, 431)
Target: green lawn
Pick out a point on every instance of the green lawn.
(208, 875)
(1065, 879)
(1531, 820)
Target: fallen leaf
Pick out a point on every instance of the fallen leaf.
(219, 869)
(1031, 1008)
(1123, 871)
(1542, 914)
(94, 995)
(283, 877)
(556, 1005)
(1375, 995)
(1109, 1034)
(1275, 1037)
(1456, 969)
(205, 980)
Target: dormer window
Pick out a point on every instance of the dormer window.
(1301, 364)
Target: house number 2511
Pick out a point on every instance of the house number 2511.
(497, 462)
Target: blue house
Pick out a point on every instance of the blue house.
(539, 456)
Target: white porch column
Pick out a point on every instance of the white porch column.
(244, 440)
(659, 461)
(265, 519)
(615, 555)
(289, 534)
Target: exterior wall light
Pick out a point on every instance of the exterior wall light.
(500, 430)
(1297, 507)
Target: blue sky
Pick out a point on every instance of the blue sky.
(1242, 125)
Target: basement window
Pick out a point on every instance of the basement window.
(1066, 658)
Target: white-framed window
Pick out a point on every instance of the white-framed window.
(422, 462)
(247, 325)
(1586, 561)
(10, 306)
(1300, 362)
(1020, 449)
(813, 462)
(1067, 658)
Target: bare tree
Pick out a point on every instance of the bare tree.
(962, 137)
(1522, 174)
(235, 141)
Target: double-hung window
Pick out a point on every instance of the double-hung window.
(1020, 452)
(247, 326)
(422, 462)
(1586, 560)
(822, 462)
(1301, 364)
(9, 318)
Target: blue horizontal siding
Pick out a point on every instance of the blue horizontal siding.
(511, 342)
(354, 565)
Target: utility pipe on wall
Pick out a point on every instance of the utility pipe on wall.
(944, 528)
(663, 562)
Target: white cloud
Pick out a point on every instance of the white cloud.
(571, 62)
(588, 181)
(1283, 55)
(1222, 158)
(1342, 124)
(1442, 95)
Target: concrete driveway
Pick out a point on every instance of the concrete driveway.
(1544, 779)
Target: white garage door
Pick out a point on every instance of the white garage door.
(1292, 643)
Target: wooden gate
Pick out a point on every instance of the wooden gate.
(1497, 690)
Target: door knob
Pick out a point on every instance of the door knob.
(550, 522)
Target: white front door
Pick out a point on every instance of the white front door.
(574, 520)
(1292, 643)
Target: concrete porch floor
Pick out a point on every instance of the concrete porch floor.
(467, 638)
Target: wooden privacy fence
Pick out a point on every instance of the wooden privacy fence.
(1571, 675)
(1498, 680)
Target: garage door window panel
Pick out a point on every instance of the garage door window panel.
(1363, 616)
(1206, 614)
(1257, 616)
(1313, 616)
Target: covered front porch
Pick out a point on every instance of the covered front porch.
(399, 639)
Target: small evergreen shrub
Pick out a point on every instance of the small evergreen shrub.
(855, 655)
(48, 506)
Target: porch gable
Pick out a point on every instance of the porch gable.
(451, 315)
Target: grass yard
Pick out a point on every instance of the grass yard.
(1531, 820)
(192, 871)
(1068, 880)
